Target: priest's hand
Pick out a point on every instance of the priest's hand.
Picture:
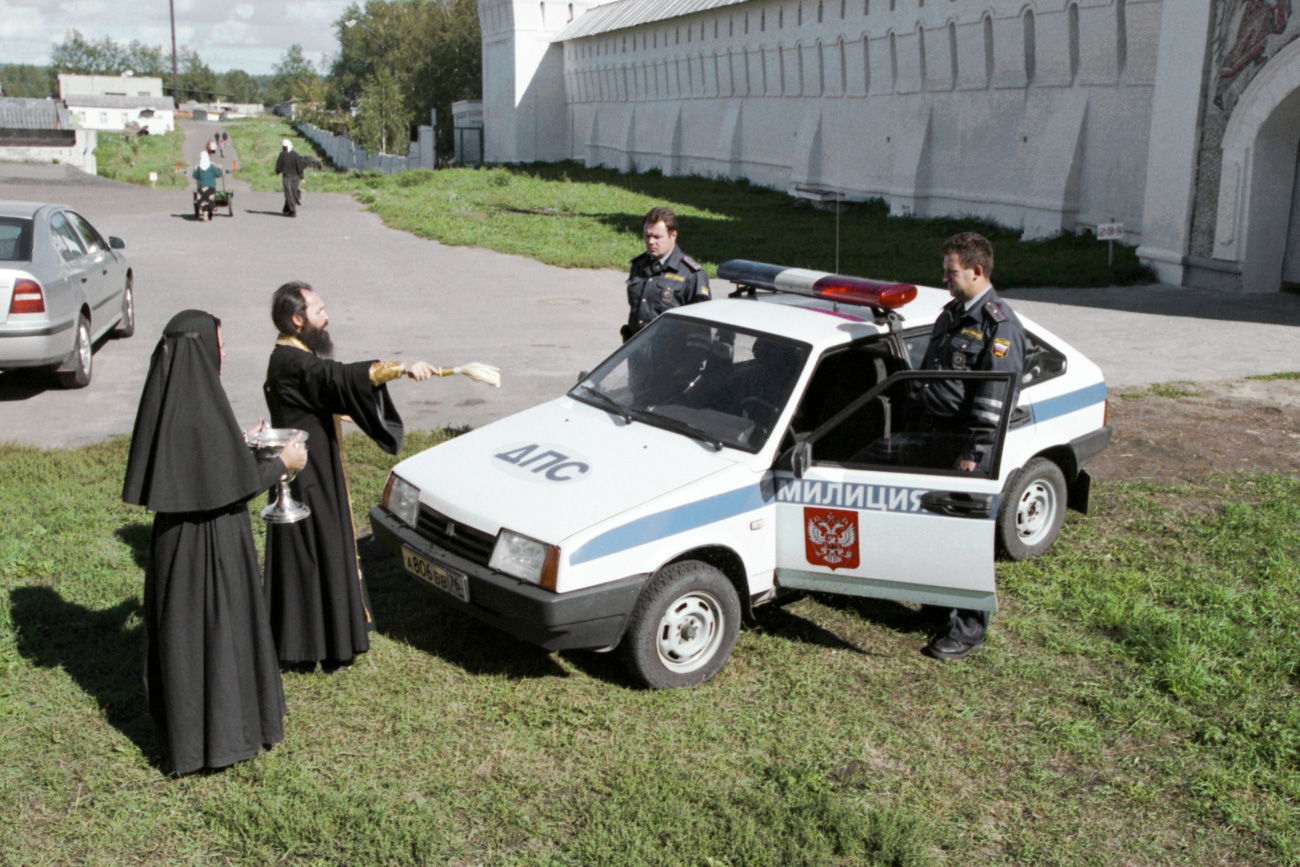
(294, 455)
(257, 428)
(419, 370)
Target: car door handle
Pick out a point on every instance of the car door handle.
(958, 504)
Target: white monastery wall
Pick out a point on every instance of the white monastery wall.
(1036, 114)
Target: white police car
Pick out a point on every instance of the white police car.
(733, 451)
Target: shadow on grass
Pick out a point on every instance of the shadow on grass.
(407, 612)
(136, 537)
(97, 650)
(751, 222)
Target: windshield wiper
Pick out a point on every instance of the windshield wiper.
(608, 403)
(685, 428)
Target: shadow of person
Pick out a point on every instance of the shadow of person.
(136, 537)
(100, 650)
(407, 612)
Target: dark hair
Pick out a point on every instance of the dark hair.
(661, 215)
(286, 303)
(972, 249)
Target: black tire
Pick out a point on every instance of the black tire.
(1032, 510)
(683, 627)
(126, 325)
(83, 358)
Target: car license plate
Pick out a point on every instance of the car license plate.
(439, 576)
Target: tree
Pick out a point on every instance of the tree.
(384, 122)
(238, 86)
(198, 81)
(25, 80)
(295, 77)
(79, 56)
(431, 48)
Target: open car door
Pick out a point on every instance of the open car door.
(871, 503)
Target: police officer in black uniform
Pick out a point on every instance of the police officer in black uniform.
(975, 331)
(663, 277)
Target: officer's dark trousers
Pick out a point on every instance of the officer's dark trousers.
(967, 625)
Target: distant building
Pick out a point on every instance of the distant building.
(1178, 118)
(113, 102)
(42, 130)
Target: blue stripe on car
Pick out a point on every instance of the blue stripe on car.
(670, 522)
(1062, 404)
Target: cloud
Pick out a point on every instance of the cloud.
(227, 34)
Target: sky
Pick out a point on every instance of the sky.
(251, 35)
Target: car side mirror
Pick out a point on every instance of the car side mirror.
(116, 243)
(800, 458)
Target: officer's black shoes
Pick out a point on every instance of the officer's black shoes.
(949, 648)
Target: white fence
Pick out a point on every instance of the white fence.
(344, 153)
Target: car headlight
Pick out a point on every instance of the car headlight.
(402, 499)
(519, 556)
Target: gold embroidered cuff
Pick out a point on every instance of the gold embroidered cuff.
(385, 371)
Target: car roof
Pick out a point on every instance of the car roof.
(813, 320)
(25, 210)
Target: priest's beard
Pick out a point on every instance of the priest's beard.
(318, 341)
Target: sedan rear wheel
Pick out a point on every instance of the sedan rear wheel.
(126, 325)
(1032, 510)
(82, 359)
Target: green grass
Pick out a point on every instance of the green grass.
(1136, 704)
(1287, 374)
(567, 215)
(1171, 390)
(132, 158)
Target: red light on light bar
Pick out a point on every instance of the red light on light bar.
(874, 293)
(27, 298)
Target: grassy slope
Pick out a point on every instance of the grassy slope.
(132, 158)
(568, 215)
(1137, 704)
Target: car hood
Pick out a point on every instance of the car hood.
(556, 469)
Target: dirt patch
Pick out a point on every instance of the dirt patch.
(1184, 432)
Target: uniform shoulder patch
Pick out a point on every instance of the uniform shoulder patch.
(995, 311)
(690, 263)
(1001, 346)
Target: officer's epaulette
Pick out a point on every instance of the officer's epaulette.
(639, 257)
(995, 311)
(690, 263)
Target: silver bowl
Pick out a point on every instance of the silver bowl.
(266, 445)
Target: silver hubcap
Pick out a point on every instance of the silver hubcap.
(1035, 512)
(83, 347)
(128, 308)
(690, 632)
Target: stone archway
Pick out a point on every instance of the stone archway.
(1258, 174)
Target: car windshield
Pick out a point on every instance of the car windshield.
(721, 385)
(15, 239)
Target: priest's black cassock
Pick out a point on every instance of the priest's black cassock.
(211, 674)
(319, 605)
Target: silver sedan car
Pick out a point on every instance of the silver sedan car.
(62, 287)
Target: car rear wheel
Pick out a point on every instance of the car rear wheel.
(684, 626)
(126, 326)
(82, 359)
(1032, 510)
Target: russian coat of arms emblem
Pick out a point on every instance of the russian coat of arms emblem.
(831, 537)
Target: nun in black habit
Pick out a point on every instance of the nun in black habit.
(211, 674)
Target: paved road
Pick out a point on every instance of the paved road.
(392, 295)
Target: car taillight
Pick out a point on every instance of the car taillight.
(28, 298)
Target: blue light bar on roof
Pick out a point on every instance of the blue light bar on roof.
(817, 284)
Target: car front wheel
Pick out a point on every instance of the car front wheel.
(82, 358)
(683, 627)
(1032, 510)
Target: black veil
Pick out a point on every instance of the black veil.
(187, 451)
